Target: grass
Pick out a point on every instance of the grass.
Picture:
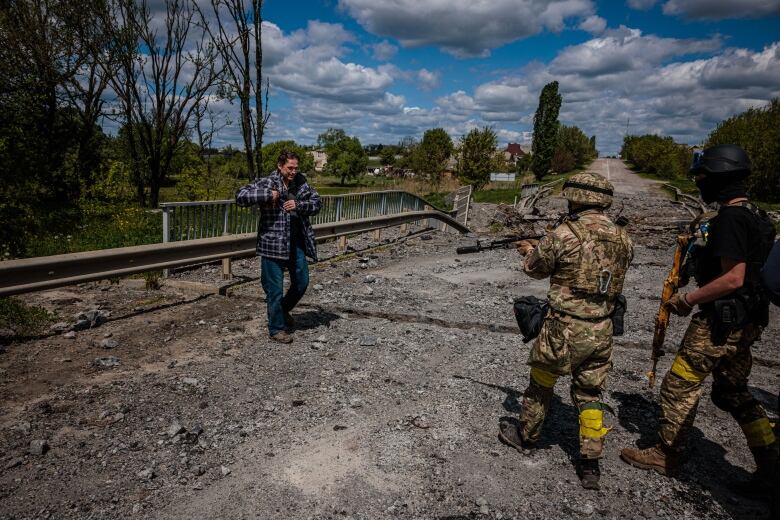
(104, 226)
(23, 319)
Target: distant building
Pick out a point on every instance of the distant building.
(514, 152)
(320, 159)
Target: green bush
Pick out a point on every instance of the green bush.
(659, 156)
(23, 319)
(758, 132)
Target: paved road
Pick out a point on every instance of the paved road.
(624, 180)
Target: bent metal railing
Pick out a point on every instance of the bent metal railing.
(47, 272)
(194, 220)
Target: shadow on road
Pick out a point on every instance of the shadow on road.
(313, 319)
(560, 426)
(706, 473)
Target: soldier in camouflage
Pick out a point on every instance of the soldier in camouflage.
(731, 249)
(586, 257)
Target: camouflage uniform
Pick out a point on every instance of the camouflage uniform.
(576, 337)
(729, 361)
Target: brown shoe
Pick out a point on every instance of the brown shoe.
(282, 337)
(656, 458)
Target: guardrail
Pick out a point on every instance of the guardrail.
(530, 194)
(47, 272)
(194, 220)
(693, 205)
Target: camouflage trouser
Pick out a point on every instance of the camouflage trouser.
(569, 346)
(729, 361)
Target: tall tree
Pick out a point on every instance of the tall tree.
(346, 157)
(545, 129)
(477, 156)
(236, 31)
(160, 82)
(431, 155)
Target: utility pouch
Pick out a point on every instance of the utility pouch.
(530, 312)
(617, 315)
(729, 314)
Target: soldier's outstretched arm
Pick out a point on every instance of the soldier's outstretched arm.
(540, 262)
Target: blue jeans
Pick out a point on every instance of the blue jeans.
(272, 280)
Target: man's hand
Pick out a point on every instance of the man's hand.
(678, 305)
(289, 205)
(526, 246)
(274, 197)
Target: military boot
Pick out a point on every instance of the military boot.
(762, 481)
(509, 434)
(589, 473)
(658, 458)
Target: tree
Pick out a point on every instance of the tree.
(160, 81)
(578, 149)
(237, 36)
(50, 144)
(757, 131)
(545, 129)
(477, 157)
(271, 153)
(431, 155)
(387, 155)
(346, 157)
(593, 145)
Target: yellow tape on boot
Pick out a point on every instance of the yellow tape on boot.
(543, 377)
(758, 433)
(591, 424)
(682, 368)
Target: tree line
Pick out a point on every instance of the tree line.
(757, 130)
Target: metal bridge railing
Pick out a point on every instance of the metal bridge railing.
(195, 220)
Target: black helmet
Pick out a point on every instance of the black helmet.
(722, 158)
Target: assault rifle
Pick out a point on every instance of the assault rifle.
(504, 243)
(671, 285)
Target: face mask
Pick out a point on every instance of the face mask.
(714, 190)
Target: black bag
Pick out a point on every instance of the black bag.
(617, 315)
(530, 312)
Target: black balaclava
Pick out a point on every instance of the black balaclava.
(719, 188)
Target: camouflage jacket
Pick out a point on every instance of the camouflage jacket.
(586, 259)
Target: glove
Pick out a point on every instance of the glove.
(678, 305)
(526, 246)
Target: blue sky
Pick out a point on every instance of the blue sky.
(383, 70)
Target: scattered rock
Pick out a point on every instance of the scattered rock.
(81, 325)
(370, 278)
(146, 474)
(69, 335)
(318, 287)
(23, 427)
(175, 429)
(224, 470)
(13, 463)
(368, 341)
(59, 327)
(39, 447)
(191, 381)
(109, 343)
(106, 362)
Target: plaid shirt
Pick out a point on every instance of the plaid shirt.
(273, 233)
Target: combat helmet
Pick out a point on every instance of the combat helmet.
(590, 189)
(721, 160)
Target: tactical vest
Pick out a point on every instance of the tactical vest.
(603, 260)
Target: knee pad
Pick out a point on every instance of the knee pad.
(543, 378)
(592, 421)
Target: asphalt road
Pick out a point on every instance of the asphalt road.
(624, 180)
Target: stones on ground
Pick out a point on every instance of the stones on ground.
(190, 381)
(13, 463)
(23, 427)
(355, 402)
(175, 429)
(368, 341)
(59, 327)
(370, 278)
(146, 474)
(225, 471)
(81, 324)
(106, 362)
(269, 406)
(109, 344)
(69, 335)
(318, 287)
(38, 447)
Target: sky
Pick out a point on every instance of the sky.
(386, 69)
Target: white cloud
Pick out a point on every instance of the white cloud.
(428, 80)
(721, 9)
(624, 49)
(642, 5)
(464, 28)
(594, 24)
(384, 50)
